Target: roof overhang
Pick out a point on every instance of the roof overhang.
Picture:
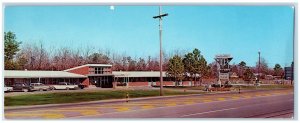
(40, 74)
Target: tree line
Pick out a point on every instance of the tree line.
(36, 57)
(178, 64)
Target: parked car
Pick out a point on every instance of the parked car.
(22, 87)
(65, 86)
(7, 89)
(81, 86)
(40, 87)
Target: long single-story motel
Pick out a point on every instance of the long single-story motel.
(90, 75)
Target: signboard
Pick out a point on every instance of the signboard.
(223, 56)
(288, 73)
(224, 76)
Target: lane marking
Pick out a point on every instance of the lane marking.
(54, 116)
(267, 94)
(122, 109)
(189, 102)
(258, 95)
(207, 101)
(246, 96)
(277, 93)
(147, 107)
(56, 113)
(235, 97)
(221, 99)
(208, 112)
(89, 113)
(93, 107)
(45, 115)
(171, 104)
(69, 110)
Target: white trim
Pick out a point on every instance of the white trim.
(90, 65)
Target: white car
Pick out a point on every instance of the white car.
(7, 89)
(65, 86)
(40, 87)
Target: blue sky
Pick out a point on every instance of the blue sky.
(237, 30)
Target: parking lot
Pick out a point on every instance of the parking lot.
(17, 93)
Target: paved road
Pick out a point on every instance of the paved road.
(271, 104)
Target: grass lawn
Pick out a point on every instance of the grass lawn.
(72, 97)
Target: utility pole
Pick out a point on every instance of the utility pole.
(160, 16)
(258, 68)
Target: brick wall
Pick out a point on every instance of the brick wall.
(82, 71)
(166, 83)
(138, 84)
(109, 69)
(86, 82)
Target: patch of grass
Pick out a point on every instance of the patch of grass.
(72, 97)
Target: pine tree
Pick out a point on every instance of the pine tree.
(11, 47)
(176, 69)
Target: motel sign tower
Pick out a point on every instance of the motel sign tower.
(223, 67)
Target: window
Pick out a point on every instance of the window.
(98, 70)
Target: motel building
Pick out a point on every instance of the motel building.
(90, 75)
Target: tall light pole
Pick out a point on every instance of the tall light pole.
(160, 16)
(258, 67)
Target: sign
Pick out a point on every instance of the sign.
(223, 56)
(288, 73)
(224, 76)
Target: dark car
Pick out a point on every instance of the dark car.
(22, 87)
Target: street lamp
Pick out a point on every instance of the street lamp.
(160, 16)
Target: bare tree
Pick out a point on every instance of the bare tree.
(141, 65)
(43, 58)
(153, 64)
(116, 62)
(263, 68)
(131, 64)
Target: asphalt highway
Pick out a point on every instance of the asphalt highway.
(264, 104)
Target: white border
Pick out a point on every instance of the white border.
(157, 2)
